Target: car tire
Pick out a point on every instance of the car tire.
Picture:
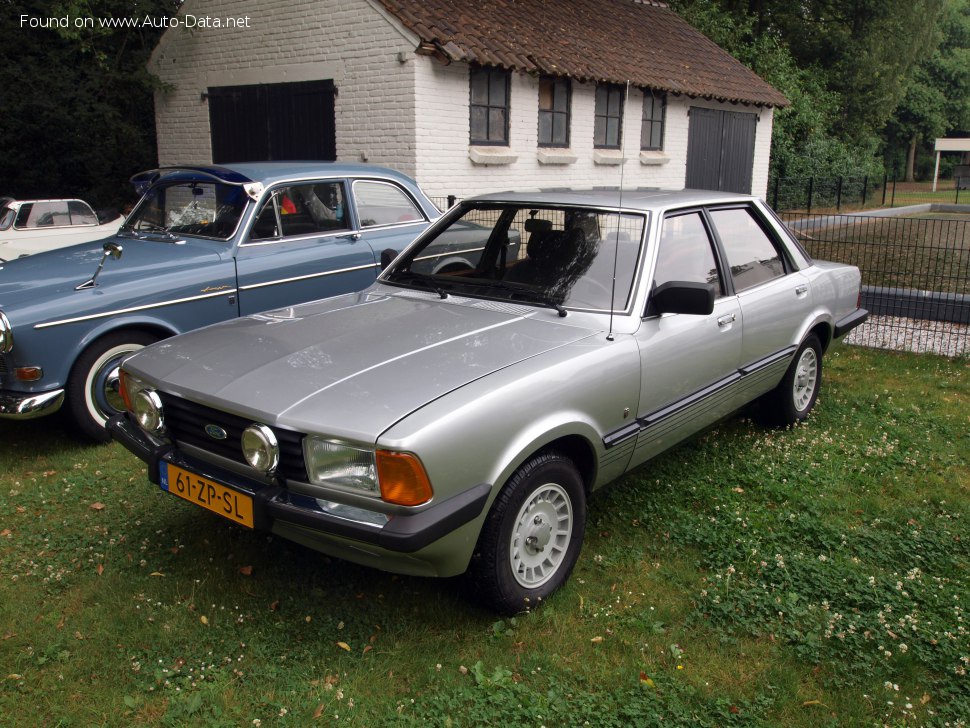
(532, 536)
(92, 395)
(795, 396)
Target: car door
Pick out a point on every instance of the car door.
(689, 363)
(774, 297)
(302, 245)
(387, 215)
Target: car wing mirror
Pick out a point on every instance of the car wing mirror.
(109, 248)
(387, 257)
(683, 297)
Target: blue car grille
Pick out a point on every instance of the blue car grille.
(186, 422)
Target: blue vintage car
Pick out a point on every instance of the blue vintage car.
(204, 244)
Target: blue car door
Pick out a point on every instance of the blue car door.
(301, 246)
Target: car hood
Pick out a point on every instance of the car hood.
(350, 366)
(59, 272)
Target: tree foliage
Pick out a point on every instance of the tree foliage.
(78, 114)
(844, 64)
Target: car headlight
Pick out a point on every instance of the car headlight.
(146, 407)
(333, 463)
(260, 448)
(395, 477)
(6, 335)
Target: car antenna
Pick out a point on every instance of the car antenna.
(619, 216)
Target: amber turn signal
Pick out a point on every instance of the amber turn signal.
(123, 388)
(402, 478)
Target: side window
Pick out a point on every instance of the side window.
(751, 254)
(43, 214)
(686, 253)
(309, 209)
(381, 203)
(81, 214)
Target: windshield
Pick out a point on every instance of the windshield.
(562, 257)
(200, 209)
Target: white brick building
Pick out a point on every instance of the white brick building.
(467, 97)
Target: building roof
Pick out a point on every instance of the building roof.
(613, 41)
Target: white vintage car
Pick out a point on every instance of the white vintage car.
(32, 226)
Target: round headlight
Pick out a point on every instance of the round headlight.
(260, 448)
(146, 406)
(6, 335)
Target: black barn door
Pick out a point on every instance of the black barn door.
(720, 150)
(261, 123)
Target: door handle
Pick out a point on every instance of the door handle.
(801, 290)
(726, 320)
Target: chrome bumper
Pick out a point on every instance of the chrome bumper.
(26, 406)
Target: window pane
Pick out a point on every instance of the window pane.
(562, 96)
(614, 107)
(479, 87)
(647, 106)
(599, 131)
(479, 123)
(559, 129)
(313, 208)
(81, 214)
(496, 88)
(655, 137)
(496, 125)
(545, 93)
(750, 252)
(545, 127)
(613, 132)
(685, 253)
(380, 203)
(602, 97)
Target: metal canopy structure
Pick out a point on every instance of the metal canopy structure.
(948, 145)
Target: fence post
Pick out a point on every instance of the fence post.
(838, 195)
(451, 201)
(811, 187)
(892, 200)
(865, 189)
(775, 205)
(885, 184)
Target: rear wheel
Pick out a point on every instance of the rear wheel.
(92, 388)
(532, 537)
(795, 395)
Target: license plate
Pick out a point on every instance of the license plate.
(213, 496)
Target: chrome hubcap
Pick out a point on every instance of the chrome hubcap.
(102, 388)
(806, 377)
(541, 535)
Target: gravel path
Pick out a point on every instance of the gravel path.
(905, 334)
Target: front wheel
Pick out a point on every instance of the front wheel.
(532, 536)
(92, 388)
(795, 395)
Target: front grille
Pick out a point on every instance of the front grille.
(186, 422)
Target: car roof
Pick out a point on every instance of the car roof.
(627, 199)
(268, 173)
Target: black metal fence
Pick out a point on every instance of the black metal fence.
(915, 276)
(835, 194)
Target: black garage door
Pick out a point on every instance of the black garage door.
(272, 122)
(720, 150)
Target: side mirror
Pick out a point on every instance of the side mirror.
(387, 257)
(683, 297)
(112, 249)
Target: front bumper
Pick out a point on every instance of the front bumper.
(27, 405)
(405, 533)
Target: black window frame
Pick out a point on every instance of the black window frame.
(504, 104)
(557, 82)
(599, 113)
(650, 122)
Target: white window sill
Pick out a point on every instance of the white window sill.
(608, 156)
(653, 158)
(492, 155)
(555, 156)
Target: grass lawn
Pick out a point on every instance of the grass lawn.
(814, 576)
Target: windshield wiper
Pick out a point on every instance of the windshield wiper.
(520, 290)
(422, 279)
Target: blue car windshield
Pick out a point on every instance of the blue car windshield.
(199, 209)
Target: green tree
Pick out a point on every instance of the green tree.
(937, 99)
(78, 113)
